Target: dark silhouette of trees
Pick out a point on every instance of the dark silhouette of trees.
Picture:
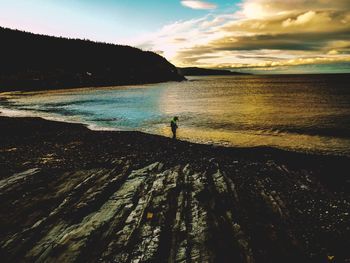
(31, 61)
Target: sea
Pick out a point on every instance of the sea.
(303, 113)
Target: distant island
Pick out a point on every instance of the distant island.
(36, 62)
(194, 71)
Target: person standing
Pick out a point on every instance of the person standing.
(173, 125)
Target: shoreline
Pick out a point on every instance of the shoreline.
(15, 113)
(284, 155)
(261, 149)
(43, 87)
(65, 188)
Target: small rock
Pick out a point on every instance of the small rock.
(304, 187)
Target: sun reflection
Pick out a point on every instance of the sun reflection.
(305, 114)
(245, 113)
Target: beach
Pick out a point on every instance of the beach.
(69, 194)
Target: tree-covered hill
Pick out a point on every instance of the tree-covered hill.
(30, 61)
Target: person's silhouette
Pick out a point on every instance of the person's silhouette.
(173, 125)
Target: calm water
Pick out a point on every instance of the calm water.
(297, 112)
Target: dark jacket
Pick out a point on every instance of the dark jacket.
(173, 125)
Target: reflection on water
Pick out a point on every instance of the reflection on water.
(306, 113)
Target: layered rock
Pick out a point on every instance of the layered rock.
(121, 201)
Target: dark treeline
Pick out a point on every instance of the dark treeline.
(30, 61)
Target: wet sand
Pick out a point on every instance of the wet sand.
(69, 194)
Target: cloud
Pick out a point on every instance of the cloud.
(262, 33)
(318, 33)
(300, 20)
(254, 9)
(291, 62)
(198, 4)
(333, 52)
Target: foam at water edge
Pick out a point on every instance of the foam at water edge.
(16, 113)
(5, 112)
(95, 127)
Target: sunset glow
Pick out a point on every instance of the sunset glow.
(248, 35)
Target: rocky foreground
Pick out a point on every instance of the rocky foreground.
(68, 194)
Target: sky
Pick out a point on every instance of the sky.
(261, 36)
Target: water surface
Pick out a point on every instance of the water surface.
(308, 113)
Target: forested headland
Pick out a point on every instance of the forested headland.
(35, 62)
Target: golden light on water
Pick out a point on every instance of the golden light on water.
(298, 113)
(253, 114)
(249, 139)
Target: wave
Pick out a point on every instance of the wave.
(107, 119)
(95, 127)
(78, 102)
(5, 112)
(278, 130)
